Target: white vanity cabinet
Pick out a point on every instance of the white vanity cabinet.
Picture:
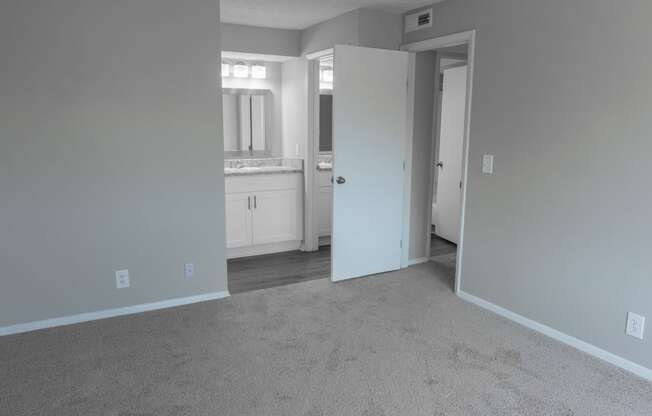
(324, 203)
(238, 220)
(264, 213)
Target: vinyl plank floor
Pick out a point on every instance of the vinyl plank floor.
(279, 269)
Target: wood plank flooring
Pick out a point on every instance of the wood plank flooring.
(271, 270)
(261, 272)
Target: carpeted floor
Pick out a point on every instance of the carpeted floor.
(393, 344)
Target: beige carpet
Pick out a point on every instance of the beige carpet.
(394, 344)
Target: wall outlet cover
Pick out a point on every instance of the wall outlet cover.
(635, 325)
(122, 279)
(488, 164)
(188, 270)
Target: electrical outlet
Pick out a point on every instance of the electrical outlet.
(488, 164)
(122, 279)
(188, 270)
(635, 325)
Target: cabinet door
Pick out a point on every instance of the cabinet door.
(324, 208)
(275, 216)
(238, 220)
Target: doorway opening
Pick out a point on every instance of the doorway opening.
(319, 161)
(324, 110)
(263, 96)
(449, 138)
(442, 87)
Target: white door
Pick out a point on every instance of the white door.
(369, 130)
(238, 220)
(451, 139)
(275, 216)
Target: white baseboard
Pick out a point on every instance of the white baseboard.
(413, 262)
(590, 349)
(260, 249)
(109, 313)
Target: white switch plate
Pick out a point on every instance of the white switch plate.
(635, 325)
(488, 164)
(122, 279)
(188, 270)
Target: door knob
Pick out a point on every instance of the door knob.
(440, 164)
(340, 180)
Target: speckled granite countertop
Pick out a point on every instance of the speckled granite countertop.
(263, 166)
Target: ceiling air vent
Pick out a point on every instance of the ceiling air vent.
(418, 20)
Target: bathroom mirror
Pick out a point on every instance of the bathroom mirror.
(245, 119)
(326, 104)
(325, 122)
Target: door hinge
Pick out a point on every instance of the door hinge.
(441, 82)
(401, 243)
(403, 166)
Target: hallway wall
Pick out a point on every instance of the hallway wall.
(560, 233)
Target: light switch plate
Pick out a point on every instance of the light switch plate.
(488, 164)
(122, 279)
(635, 325)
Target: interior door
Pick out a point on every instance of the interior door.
(451, 139)
(369, 137)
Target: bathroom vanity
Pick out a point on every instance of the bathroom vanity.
(264, 206)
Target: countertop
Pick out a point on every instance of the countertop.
(262, 166)
(325, 161)
(324, 166)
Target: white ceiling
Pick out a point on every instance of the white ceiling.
(300, 14)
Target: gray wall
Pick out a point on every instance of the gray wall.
(379, 29)
(362, 27)
(110, 154)
(561, 232)
(253, 39)
(342, 29)
(424, 101)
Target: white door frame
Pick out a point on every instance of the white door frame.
(311, 236)
(461, 38)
